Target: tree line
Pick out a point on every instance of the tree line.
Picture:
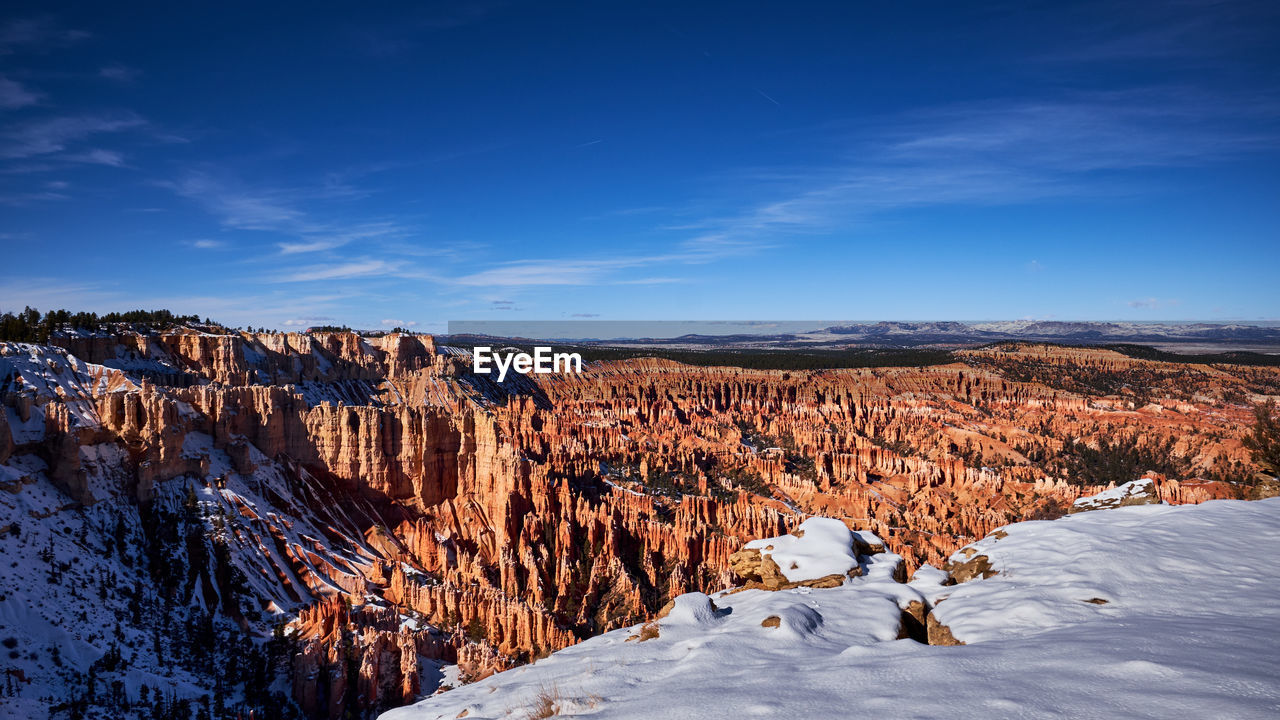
(30, 325)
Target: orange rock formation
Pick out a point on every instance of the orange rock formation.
(488, 525)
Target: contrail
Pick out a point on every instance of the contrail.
(765, 95)
(585, 144)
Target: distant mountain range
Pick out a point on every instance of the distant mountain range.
(1186, 336)
(1065, 331)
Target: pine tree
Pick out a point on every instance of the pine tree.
(1263, 442)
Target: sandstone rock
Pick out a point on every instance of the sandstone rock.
(978, 566)
(1266, 487)
(940, 634)
(915, 621)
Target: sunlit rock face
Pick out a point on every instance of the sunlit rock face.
(399, 512)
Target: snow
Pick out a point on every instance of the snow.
(270, 537)
(39, 614)
(103, 465)
(1134, 492)
(347, 392)
(1150, 560)
(25, 432)
(928, 581)
(693, 610)
(818, 548)
(1188, 630)
(869, 539)
(49, 374)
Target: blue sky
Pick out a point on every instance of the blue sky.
(299, 165)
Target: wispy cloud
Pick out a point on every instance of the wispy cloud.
(544, 272)
(336, 237)
(294, 248)
(766, 96)
(236, 208)
(97, 156)
(997, 153)
(280, 210)
(1154, 127)
(308, 321)
(1189, 31)
(119, 73)
(37, 33)
(28, 198)
(1152, 303)
(207, 244)
(14, 95)
(342, 271)
(47, 136)
(408, 33)
(570, 271)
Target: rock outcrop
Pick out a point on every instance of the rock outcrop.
(1135, 492)
(819, 553)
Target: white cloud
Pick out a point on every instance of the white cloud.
(14, 95)
(119, 73)
(605, 270)
(281, 211)
(238, 209)
(293, 248)
(41, 33)
(309, 321)
(1152, 303)
(994, 153)
(546, 272)
(342, 271)
(27, 198)
(97, 156)
(47, 136)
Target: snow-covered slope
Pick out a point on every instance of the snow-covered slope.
(1136, 612)
(108, 595)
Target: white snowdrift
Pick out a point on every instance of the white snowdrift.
(818, 548)
(1189, 629)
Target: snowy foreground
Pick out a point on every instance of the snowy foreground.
(1135, 612)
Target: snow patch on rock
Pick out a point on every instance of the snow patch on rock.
(1135, 492)
(818, 548)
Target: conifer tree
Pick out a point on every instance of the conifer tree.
(1263, 442)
